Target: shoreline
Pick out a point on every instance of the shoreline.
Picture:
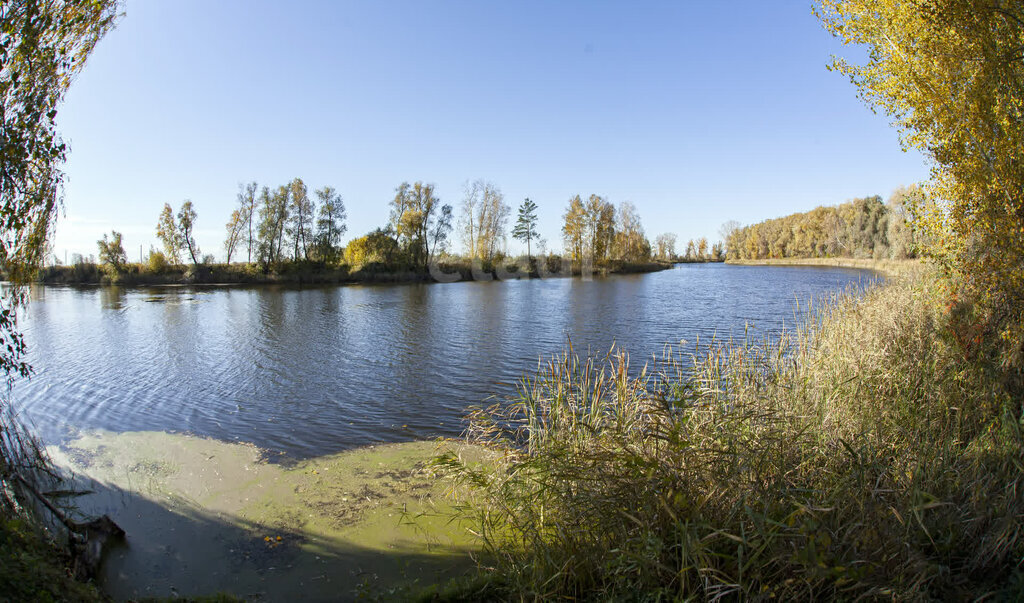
(889, 268)
(221, 275)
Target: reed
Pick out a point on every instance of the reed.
(862, 454)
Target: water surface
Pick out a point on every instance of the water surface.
(314, 371)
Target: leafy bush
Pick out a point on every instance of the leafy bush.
(157, 262)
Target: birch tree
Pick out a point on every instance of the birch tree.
(483, 221)
(300, 218)
(247, 214)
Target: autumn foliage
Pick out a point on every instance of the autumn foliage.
(950, 74)
(862, 228)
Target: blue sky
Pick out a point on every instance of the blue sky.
(697, 112)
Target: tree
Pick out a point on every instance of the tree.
(598, 227)
(266, 231)
(416, 222)
(525, 229)
(592, 210)
(718, 252)
(400, 206)
(604, 231)
(247, 212)
(702, 248)
(691, 251)
(631, 242)
(235, 230)
(484, 215)
(186, 226)
(951, 76)
(589, 228)
(301, 211)
(330, 225)
(43, 45)
(407, 220)
(273, 219)
(574, 228)
(170, 237)
(438, 233)
(728, 231)
(666, 244)
(112, 254)
(901, 236)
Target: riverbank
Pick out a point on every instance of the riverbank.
(871, 453)
(749, 443)
(890, 268)
(312, 273)
(34, 568)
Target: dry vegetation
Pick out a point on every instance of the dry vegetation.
(868, 454)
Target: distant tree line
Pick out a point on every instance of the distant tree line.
(699, 251)
(271, 227)
(861, 228)
(420, 229)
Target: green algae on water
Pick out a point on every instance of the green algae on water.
(204, 516)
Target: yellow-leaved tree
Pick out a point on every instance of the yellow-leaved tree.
(950, 74)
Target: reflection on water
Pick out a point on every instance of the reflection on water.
(318, 370)
(112, 298)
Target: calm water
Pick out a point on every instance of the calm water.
(318, 370)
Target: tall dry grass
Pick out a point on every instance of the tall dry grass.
(863, 455)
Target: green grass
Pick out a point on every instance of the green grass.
(34, 569)
(867, 454)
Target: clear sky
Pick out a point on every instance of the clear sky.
(697, 112)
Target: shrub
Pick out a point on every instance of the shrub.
(157, 262)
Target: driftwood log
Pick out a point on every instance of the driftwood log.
(88, 538)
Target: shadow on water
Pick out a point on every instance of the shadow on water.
(235, 524)
(187, 552)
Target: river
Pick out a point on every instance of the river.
(314, 371)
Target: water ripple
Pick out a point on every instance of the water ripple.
(317, 370)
